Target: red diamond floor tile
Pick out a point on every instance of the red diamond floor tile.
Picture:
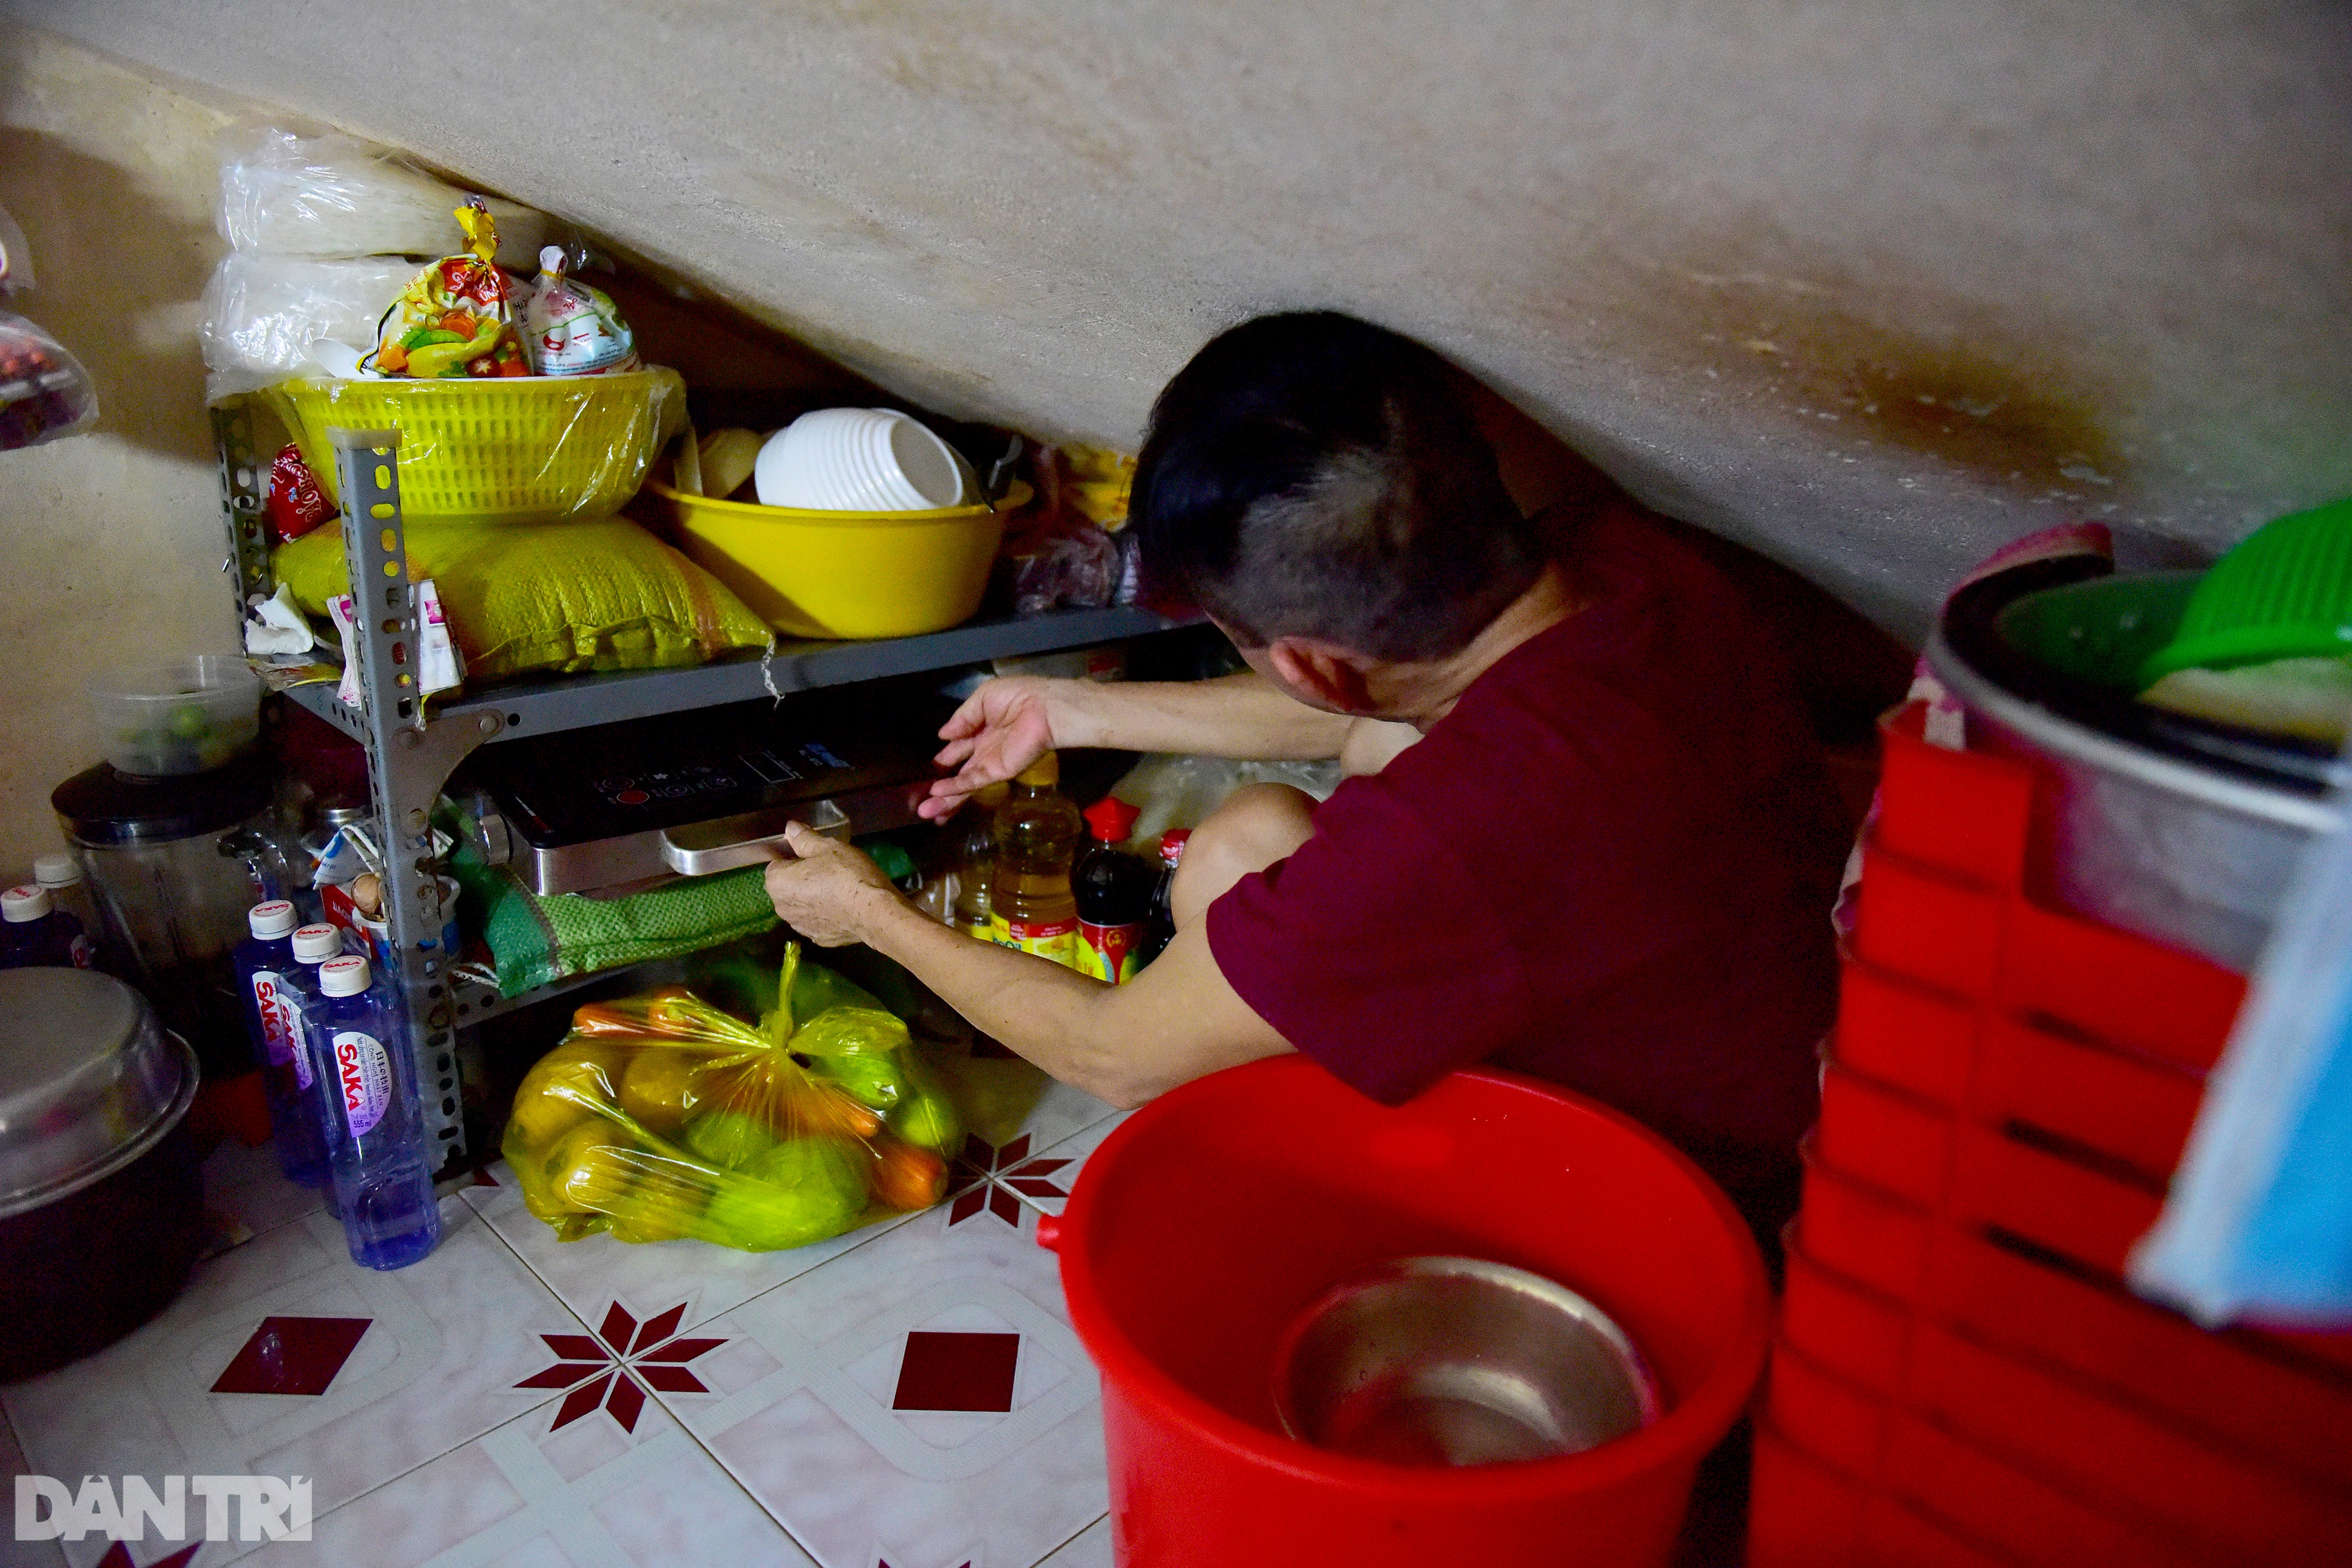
(957, 1372)
(292, 1355)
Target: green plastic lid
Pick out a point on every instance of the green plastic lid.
(2285, 592)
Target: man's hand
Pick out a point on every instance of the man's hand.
(831, 892)
(1000, 729)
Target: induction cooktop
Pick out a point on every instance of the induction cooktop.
(623, 805)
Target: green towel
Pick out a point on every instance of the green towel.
(536, 939)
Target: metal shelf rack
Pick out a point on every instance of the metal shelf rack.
(413, 749)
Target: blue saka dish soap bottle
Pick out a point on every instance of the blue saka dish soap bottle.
(375, 1132)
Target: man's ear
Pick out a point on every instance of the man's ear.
(1332, 675)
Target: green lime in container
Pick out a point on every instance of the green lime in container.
(2285, 592)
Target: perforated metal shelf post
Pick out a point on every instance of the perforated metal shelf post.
(410, 757)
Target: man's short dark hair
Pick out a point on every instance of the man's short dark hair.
(1312, 475)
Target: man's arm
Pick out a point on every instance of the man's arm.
(1008, 723)
(1175, 1021)
(1242, 715)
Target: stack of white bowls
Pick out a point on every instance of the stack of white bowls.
(862, 460)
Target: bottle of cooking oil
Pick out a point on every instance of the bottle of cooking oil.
(1037, 831)
(976, 862)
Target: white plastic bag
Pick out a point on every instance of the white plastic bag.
(262, 313)
(1175, 791)
(286, 194)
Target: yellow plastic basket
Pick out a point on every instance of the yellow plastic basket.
(846, 574)
(520, 449)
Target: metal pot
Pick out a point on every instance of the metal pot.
(2176, 827)
(1458, 1361)
(101, 1207)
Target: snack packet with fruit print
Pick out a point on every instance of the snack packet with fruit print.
(456, 320)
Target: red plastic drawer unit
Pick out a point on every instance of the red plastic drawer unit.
(2128, 1108)
(1894, 1452)
(1848, 1328)
(2229, 1389)
(1808, 1515)
(1967, 812)
(1801, 1514)
(2001, 1071)
(1871, 1236)
(2081, 1213)
(1901, 1033)
(1900, 1144)
(1952, 824)
(2119, 1457)
(2016, 1512)
(1928, 925)
(2131, 1463)
(2115, 986)
(2333, 1350)
(1977, 1175)
(2225, 1385)
(1841, 1422)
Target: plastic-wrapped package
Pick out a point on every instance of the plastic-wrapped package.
(1068, 551)
(295, 504)
(262, 313)
(1063, 560)
(15, 256)
(44, 391)
(455, 319)
(662, 1116)
(287, 194)
(570, 329)
(603, 595)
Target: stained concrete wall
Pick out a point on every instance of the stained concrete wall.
(1874, 286)
(1877, 285)
(111, 542)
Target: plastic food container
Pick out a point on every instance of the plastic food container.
(846, 574)
(100, 1206)
(520, 449)
(183, 715)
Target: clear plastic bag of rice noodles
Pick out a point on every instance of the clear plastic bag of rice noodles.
(662, 1115)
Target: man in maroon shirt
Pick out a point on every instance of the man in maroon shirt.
(1587, 833)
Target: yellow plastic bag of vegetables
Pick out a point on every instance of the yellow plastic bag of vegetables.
(661, 1116)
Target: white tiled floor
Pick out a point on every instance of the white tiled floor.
(447, 1434)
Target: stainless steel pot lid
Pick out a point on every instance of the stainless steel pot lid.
(89, 1082)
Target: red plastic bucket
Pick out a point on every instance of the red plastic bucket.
(1212, 1217)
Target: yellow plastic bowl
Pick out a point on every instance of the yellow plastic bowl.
(846, 574)
(512, 449)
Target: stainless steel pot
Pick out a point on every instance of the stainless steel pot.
(2182, 830)
(1458, 1361)
(101, 1210)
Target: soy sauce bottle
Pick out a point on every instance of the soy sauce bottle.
(1160, 924)
(1114, 894)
